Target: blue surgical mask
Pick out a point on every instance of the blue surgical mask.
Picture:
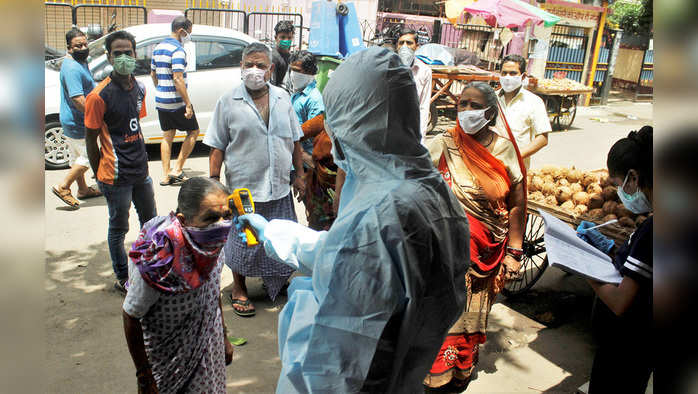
(637, 202)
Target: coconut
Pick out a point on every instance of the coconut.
(551, 200)
(623, 212)
(595, 201)
(576, 188)
(556, 173)
(609, 207)
(549, 189)
(548, 178)
(580, 198)
(563, 182)
(626, 222)
(536, 196)
(575, 175)
(536, 184)
(603, 179)
(567, 205)
(609, 217)
(547, 169)
(588, 179)
(594, 188)
(595, 213)
(581, 209)
(609, 193)
(563, 194)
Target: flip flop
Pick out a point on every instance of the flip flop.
(244, 304)
(91, 192)
(66, 197)
(166, 182)
(177, 180)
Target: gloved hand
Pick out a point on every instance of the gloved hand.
(255, 221)
(594, 237)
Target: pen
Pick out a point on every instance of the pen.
(602, 224)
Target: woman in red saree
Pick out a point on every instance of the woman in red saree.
(486, 174)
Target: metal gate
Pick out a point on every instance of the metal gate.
(260, 25)
(474, 38)
(58, 19)
(645, 84)
(567, 52)
(109, 16)
(221, 17)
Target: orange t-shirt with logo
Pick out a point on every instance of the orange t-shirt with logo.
(115, 112)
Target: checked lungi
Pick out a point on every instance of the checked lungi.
(253, 261)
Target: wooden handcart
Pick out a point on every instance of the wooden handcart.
(535, 259)
(561, 105)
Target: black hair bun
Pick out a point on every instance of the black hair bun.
(642, 137)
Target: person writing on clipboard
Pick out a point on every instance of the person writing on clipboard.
(623, 321)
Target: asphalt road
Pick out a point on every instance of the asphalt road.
(539, 342)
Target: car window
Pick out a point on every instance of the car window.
(144, 55)
(212, 54)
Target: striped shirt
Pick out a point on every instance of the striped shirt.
(168, 57)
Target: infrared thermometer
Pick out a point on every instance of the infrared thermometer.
(241, 202)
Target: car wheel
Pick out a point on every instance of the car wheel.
(56, 152)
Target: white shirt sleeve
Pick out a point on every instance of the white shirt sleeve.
(540, 122)
(140, 296)
(423, 82)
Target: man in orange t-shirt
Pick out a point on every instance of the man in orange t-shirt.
(112, 113)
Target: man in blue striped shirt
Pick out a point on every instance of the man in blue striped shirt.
(175, 111)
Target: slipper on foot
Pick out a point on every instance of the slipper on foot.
(243, 303)
(66, 197)
(91, 192)
(167, 181)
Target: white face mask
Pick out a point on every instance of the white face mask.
(253, 78)
(637, 202)
(510, 82)
(186, 39)
(472, 121)
(406, 55)
(299, 81)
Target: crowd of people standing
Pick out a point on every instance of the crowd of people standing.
(410, 238)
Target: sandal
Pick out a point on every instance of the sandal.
(66, 197)
(91, 192)
(177, 180)
(166, 182)
(243, 303)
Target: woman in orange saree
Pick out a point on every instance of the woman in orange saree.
(486, 174)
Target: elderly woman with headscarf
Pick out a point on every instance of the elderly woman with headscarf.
(172, 312)
(387, 278)
(486, 174)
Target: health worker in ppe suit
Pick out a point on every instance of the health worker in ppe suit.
(388, 278)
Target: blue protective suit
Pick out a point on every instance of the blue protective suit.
(387, 279)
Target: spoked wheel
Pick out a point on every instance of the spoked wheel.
(568, 110)
(552, 105)
(534, 261)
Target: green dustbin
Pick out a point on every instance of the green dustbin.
(325, 66)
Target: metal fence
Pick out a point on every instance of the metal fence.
(58, 19)
(567, 53)
(61, 17)
(260, 25)
(645, 83)
(228, 18)
(109, 17)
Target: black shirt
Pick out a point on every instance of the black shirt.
(280, 61)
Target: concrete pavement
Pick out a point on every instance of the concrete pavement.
(86, 349)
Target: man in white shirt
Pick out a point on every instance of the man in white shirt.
(525, 111)
(406, 46)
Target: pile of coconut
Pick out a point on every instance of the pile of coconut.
(587, 194)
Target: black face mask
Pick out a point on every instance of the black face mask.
(80, 55)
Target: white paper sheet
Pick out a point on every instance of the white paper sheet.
(570, 253)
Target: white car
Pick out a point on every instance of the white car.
(213, 68)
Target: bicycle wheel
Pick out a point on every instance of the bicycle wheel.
(534, 262)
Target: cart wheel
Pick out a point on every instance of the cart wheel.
(568, 110)
(534, 262)
(552, 105)
(433, 117)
